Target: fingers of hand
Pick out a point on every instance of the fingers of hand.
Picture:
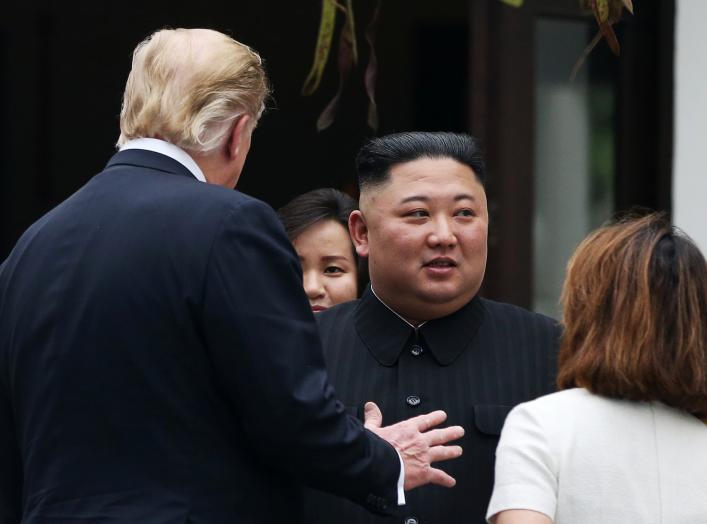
(430, 476)
(440, 453)
(435, 437)
(372, 416)
(439, 477)
(429, 420)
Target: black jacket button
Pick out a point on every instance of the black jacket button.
(416, 350)
(413, 401)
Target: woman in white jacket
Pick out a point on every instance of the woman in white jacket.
(625, 439)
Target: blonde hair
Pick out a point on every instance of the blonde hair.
(188, 86)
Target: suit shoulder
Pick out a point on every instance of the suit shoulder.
(181, 198)
(232, 200)
(337, 317)
(234, 209)
(337, 331)
(505, 310)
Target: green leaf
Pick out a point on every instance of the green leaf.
(321, 54)
(602, 11)
(351, 29)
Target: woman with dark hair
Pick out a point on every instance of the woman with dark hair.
(317, 225)
(626, 439)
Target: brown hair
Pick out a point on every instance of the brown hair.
(635, 314)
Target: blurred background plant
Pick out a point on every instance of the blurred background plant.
(606, 12)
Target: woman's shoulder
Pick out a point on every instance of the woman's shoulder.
(564, 406)
(565, 399)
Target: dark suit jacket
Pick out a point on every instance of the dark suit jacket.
(475, 364)
(159, 363)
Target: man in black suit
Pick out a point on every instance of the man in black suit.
(158, 359)
(421, 337)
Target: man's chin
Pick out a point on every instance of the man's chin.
(439, 292)
(441, 296)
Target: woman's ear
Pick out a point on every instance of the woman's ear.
(359, 232)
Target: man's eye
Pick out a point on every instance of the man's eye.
(466, 213)
(333, 270)
(418, 213)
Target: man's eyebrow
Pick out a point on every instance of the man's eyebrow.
(415, 198)
(423, 198)
(464, 196)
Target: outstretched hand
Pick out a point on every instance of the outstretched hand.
(418, 444)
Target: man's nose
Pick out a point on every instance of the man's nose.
(443, 233)
(313, 285)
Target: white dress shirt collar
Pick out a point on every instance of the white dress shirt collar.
(160, 146)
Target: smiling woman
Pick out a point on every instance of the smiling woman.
(317, 225)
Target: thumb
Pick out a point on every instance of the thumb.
(372, 416)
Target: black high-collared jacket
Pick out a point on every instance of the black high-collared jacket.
(476, 364)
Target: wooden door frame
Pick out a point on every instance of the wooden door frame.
(502, 116)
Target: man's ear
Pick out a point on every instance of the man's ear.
(239, 139)
(358, 229)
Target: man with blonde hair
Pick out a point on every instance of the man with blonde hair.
(158, 359)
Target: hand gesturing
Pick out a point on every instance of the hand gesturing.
(418, 444)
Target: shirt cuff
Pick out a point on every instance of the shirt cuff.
(401, 482)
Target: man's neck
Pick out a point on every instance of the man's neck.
(414, 324)
(163, 147)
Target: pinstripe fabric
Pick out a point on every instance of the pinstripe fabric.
(476, 364)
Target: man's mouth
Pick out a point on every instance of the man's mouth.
(441, 263)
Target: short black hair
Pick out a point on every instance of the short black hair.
(314, 206)
(379, 155)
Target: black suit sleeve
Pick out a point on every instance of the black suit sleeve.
(10, 470)
(264, 345)
(10, 463)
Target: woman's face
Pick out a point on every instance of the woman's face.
(328, 266)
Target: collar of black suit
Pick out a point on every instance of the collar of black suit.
(386, 335)
(150, 160)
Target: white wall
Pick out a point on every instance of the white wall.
(690, 148)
